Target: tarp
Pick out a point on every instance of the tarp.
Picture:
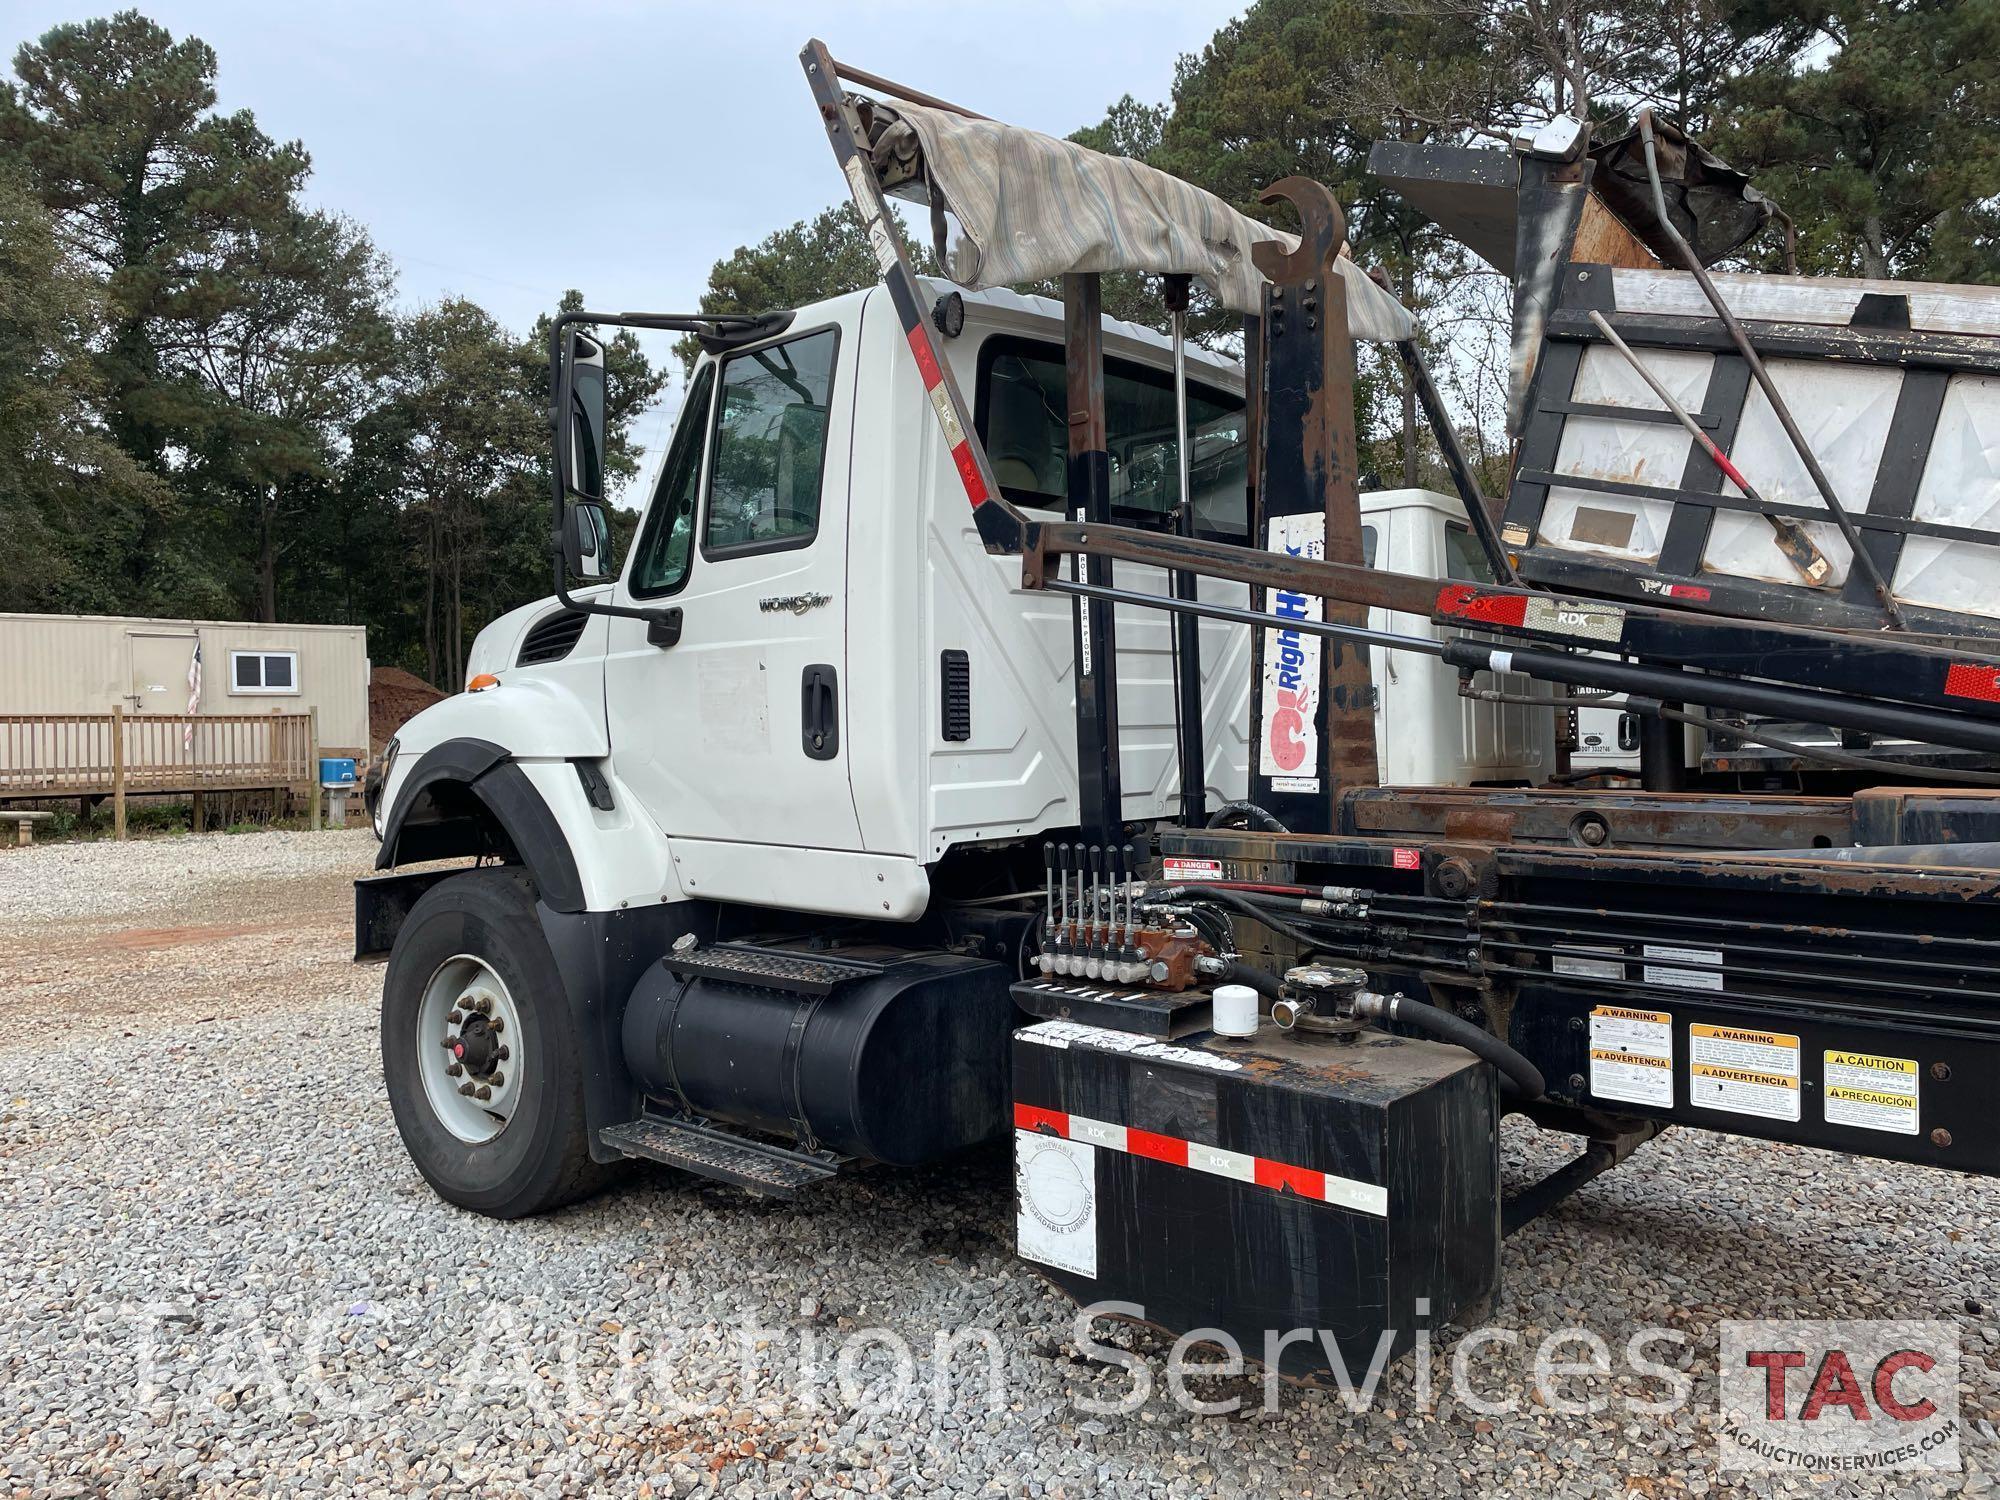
(1030, 206)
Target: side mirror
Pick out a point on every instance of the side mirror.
(580, 416)
(587, 539)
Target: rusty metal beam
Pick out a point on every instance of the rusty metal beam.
(1313, 710)
(1100, 794)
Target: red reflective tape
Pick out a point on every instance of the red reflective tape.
(927, 365)
(1964, 680)
(1156, 1147)
(1033, 1117)
(968, 473)
(1275, 1174)
(1690, 591)
(1408, 859)
(1465, 602)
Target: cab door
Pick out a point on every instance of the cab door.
(736, 731)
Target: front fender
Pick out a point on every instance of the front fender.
(467, 797)
(535, 717)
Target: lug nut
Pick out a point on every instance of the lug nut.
(457, 1018)
(452, 1070)
(485, 1093)
(496, 1078)
(467, 1089)
(503, 1054)
(448, 1043)
(496, 1024)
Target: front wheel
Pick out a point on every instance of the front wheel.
(478, 1053)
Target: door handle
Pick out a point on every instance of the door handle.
(819, 713)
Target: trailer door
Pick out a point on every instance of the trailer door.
(738, 730)
(160, 662)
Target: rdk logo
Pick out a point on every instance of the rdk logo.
(1844, 1396)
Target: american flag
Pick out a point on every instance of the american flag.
(194, 695)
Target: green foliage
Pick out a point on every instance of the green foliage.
(810, 261)
(1881, 135)
(63, 481)
(207, 404)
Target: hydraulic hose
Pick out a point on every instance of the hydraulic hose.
(1265, 984)
(1250, 812)
(1242, 905)
(1446, 1027)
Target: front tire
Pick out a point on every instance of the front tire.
(479, 1055)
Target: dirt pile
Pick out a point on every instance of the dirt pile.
(393, 696)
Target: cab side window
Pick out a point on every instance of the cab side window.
(1021, 415)
(770, 447)
(666, 545)
(1462, 556)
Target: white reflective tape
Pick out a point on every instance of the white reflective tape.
(1362, 1197)
(1220, 1163)
(1593, 622)
(1501, 661)
(1097, 1132)
(947, 416)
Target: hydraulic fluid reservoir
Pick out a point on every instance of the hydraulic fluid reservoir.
(880, 1054)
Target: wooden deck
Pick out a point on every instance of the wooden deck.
(119, 754)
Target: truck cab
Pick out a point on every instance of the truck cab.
(851, 677)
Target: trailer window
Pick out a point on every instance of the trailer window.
(1020, 416)
(666, 544)
(264, 672)
(770, 446)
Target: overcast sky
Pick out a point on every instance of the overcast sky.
(506, 150)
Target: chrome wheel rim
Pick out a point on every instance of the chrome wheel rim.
(469, 1049)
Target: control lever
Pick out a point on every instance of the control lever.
(1046, 960)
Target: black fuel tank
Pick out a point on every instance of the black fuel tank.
(893, 1056)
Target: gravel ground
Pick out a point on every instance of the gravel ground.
(219, 1273)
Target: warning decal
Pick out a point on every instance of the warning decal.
(1871, 1093)
(1744, 1072)
(1179, 871)
(1632, 1055)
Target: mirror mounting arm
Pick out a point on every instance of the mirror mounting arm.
(714, 330)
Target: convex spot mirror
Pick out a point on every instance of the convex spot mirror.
(587, 540)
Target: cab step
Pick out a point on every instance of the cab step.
(721, 1155)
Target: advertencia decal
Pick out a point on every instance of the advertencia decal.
(1287, 741)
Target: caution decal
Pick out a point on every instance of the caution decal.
(1870, 1092)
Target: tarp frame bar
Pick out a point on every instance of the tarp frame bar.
(1002, 527)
